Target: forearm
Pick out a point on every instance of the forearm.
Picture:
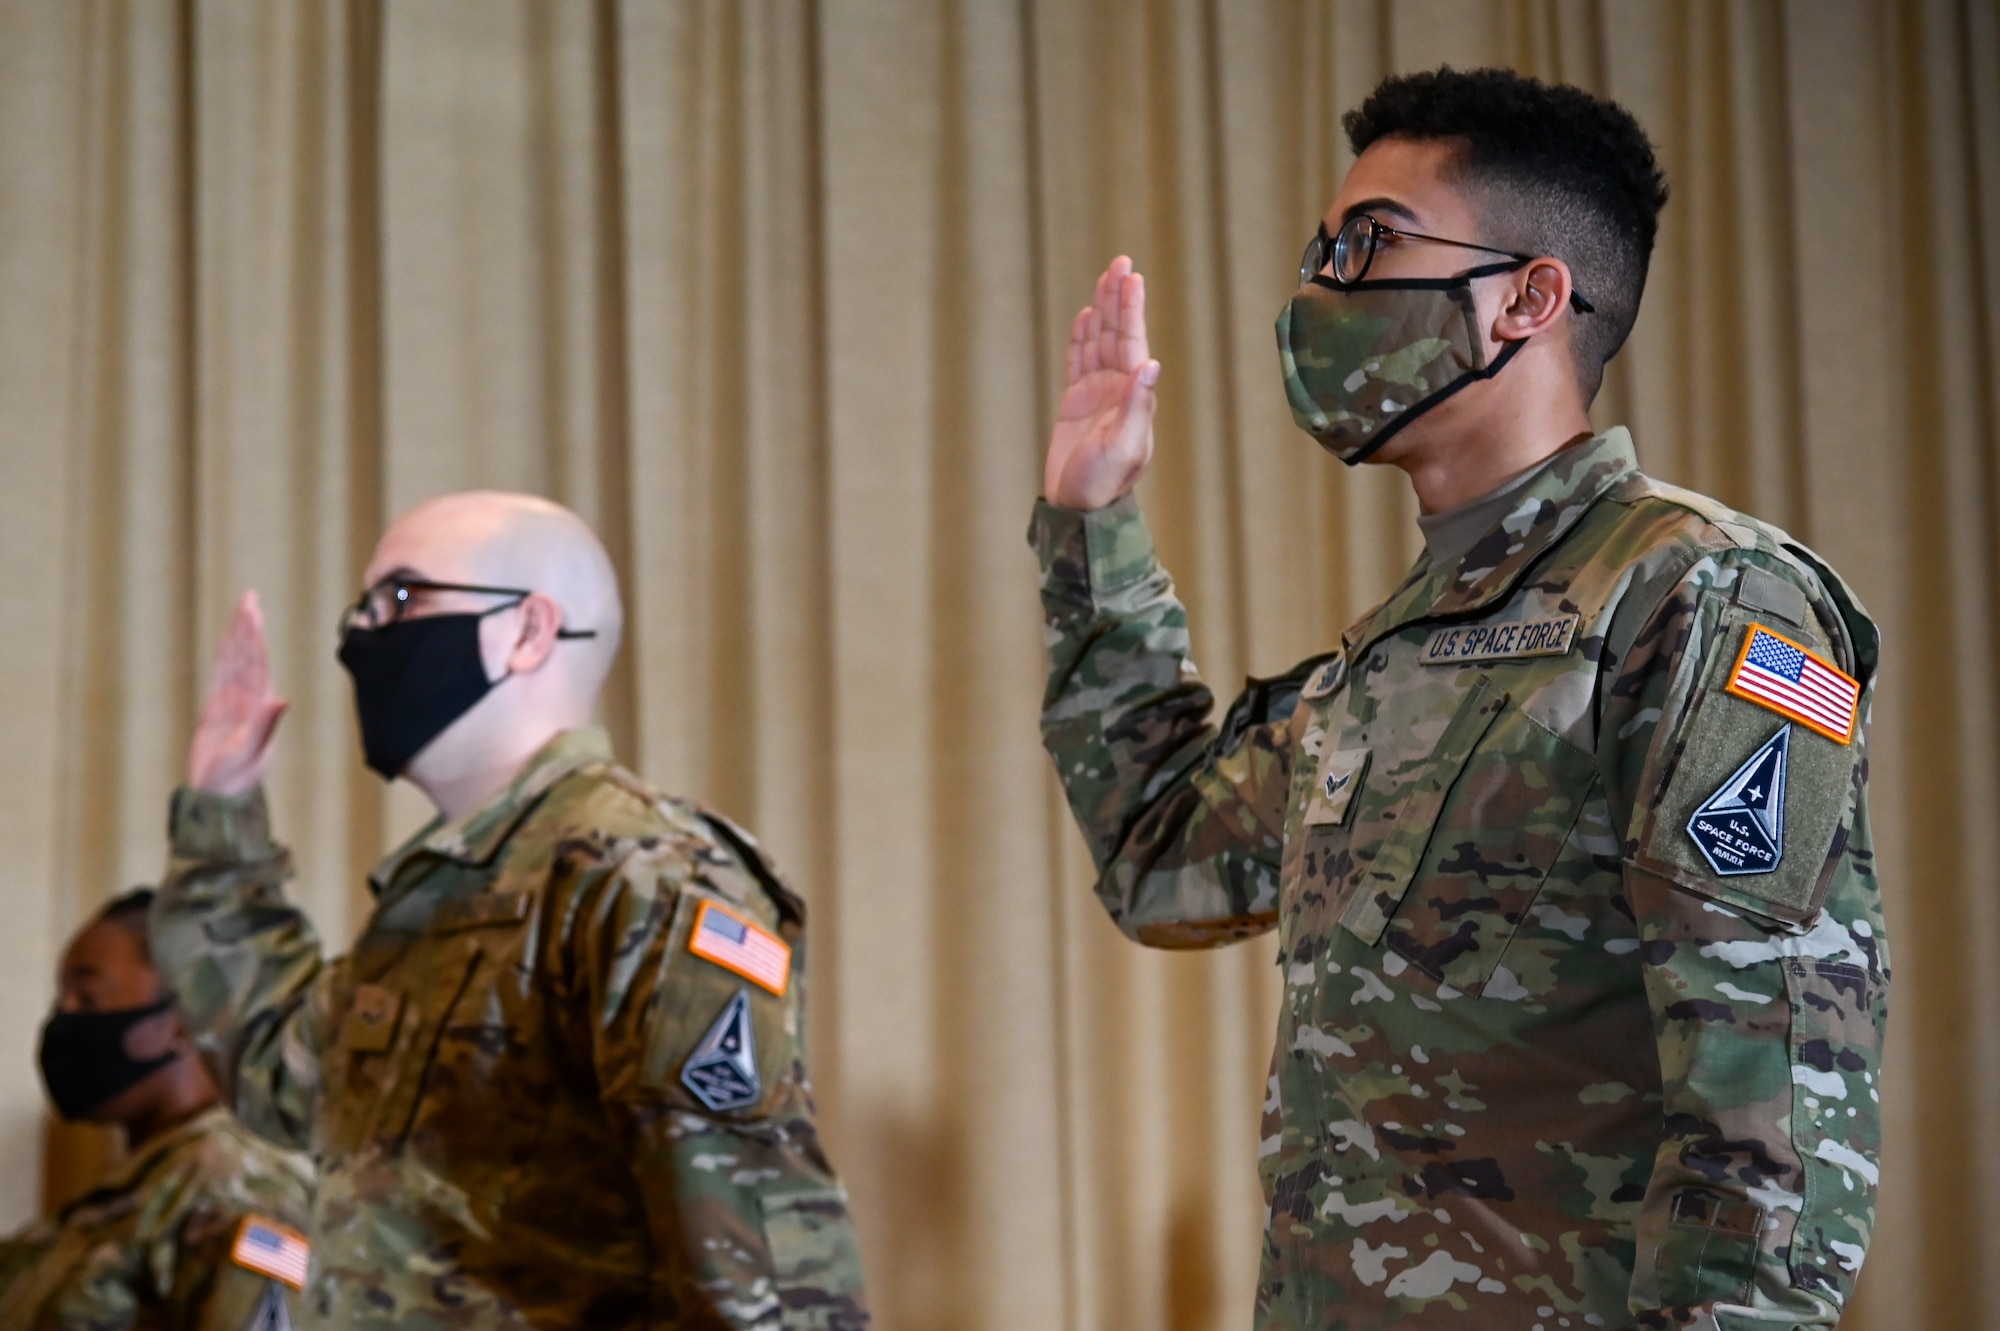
(1184, 820)
(241, 960)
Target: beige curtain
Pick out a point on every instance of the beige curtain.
(772, 291)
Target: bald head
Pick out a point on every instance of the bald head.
(493, 538)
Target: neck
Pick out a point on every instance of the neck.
(180, 1099)
(1491, 433)
(462, 783)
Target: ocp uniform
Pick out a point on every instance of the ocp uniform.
(197, 1230)
(1507, 961)
(515, 1083)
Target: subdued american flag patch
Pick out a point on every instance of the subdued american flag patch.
(271, 1249)
(1777, 673)
(736, 944)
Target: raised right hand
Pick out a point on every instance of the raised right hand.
(1103, 435)
(232, 741)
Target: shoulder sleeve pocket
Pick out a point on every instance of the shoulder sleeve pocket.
(715, 1041)
(1754, 805)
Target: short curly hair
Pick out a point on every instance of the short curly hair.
(130, 910)
(1555, 171)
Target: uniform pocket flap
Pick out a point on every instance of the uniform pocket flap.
(481, 909)
(1384, 875)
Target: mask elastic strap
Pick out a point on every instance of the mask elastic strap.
(1493, 368)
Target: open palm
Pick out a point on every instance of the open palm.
(232, 740)
(1103, 435)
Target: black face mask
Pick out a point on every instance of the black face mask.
(412, 679)
(84, 1061)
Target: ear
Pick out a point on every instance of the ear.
(1536, 299)
(541, 619)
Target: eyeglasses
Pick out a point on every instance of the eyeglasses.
(388, 602)
(1351, 252)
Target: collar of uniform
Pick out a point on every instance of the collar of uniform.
(475, 839)
(1544, 512)
(134, 1168)
(1547, 508)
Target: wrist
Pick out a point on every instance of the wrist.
(210, 826)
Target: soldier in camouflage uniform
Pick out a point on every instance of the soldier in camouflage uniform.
(198, 1228)
(1566, 842)
(560, 1080)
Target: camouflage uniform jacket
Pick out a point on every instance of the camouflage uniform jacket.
(1539, 1063)
(151, 1248)
(501, 1082)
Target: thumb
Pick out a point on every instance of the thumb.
(271, 713)
(1141, 401)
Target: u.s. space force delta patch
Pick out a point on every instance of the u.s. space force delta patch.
(1740, 829)
(722, 1070)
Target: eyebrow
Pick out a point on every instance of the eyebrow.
(1380, 205)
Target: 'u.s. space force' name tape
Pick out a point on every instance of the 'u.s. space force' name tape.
(1507, 640)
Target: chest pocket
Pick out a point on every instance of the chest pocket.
(1467, 843)
(445, 1036)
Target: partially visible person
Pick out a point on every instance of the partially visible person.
(199, 1229)
(560, 1079)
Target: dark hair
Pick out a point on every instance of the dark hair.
(130, 909)
(1557, 171)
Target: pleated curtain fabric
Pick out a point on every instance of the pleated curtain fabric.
(773, 292)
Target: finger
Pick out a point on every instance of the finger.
(1079, 328)
(1132, 349)
(257, 650)
(237, 657)
(1108, 301)
(267, 724)
(1089, 349)
(1134, 445)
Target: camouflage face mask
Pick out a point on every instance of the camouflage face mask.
(1364, 360)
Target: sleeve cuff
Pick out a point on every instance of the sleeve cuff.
(210, 828)
(1087, 556)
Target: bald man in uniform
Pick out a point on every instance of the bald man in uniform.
(560, 1081)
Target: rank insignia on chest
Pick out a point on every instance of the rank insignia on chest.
(1339, 776)
(722, 1071)
(722, 936)
(1740, 829)
(1775, 672)
(1551, 635)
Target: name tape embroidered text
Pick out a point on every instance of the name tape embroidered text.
(1551, 636)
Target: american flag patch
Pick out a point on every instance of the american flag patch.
(734, 943)
(271, 1249)
(1777, 673)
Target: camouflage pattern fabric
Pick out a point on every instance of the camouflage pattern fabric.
(492, 1080)
(1538, 1065)
(1355, 360)
(149, 1248)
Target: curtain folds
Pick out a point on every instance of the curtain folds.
(773, 292)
